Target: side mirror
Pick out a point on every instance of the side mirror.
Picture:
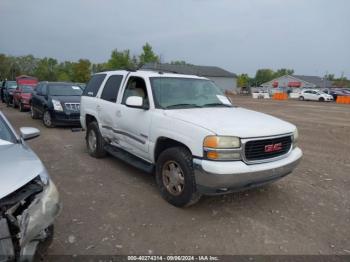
(134, 101)
(28, 133)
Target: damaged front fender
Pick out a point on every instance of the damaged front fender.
(40, 214)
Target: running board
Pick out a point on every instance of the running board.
(130, 159)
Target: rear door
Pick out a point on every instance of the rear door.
(107, 108)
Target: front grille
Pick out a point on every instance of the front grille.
(256, 150)
(75, 107)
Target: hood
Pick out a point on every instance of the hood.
(67, 99)
(234, 121)
(26, 95)
(18, 166)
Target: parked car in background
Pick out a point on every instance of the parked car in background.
(22, 97)
(315, 95)
(26, 80)
(57, 103)
(2, 85)
(8, 90)
(29, 201)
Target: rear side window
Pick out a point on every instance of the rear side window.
(110, 91)
(94, 85)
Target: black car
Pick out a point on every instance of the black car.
(7, 90)
(56, 103)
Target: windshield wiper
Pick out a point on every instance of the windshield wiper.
(182, 105)
(216, 104)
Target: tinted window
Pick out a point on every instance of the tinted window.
(65, 90)
(94, 85)
(110, 91)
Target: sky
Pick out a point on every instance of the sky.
(310, 36)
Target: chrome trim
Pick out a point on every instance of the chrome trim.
(245, 140)
(72, 106)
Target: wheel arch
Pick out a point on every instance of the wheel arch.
(164, 143)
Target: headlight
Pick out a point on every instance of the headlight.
(222, 148)
(295, 137)
(44, 177)
(57, 105)
(222, 142)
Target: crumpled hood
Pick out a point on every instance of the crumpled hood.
(18, 166)
(233, 121)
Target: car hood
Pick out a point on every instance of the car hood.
(67, 99)
(18, 166)
(233, 121)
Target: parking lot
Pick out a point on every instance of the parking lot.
(112, 208)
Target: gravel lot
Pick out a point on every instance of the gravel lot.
(112, 208)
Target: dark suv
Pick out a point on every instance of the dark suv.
(7, 90)
(56, 103)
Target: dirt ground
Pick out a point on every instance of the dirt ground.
(112, 208)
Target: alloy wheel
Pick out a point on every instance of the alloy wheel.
(92, 140)
(173, 178)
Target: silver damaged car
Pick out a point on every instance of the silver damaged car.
(29, 201)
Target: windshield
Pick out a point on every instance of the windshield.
(11, 85)
(65, 90)
(27, 89)
(174, 92)
(5, 133)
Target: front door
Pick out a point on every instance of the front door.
(134, 123)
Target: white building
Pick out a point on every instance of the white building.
(296, 82)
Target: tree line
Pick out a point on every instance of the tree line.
(50, 69)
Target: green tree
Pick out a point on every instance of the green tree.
(65, 71)
(81, 71)
(243, 80)
(283, 72)
(27, 64)
(148, 56)
(329, 77)
(263, 75)
(120, 60)
(46, 69)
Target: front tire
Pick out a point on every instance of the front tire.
(301, 98)
(321, 99)
(47, 119)
(33, 113)
(21, 108)
(94, 141)
(175, 177)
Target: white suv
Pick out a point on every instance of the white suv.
(184, 129)
(315, 95)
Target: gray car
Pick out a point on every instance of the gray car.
(29, 201)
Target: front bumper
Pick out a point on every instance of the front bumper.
(215, 177)
(65, 118)
(37, 218)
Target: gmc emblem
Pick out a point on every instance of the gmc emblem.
(273, 147)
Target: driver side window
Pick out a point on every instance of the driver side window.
(136, 86)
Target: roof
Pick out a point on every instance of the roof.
(150, 73)
(316, 80)
(207, 71)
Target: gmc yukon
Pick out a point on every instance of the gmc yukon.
(185, 130)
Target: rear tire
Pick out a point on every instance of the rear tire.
(33, 113)
(94, 141)
(175, 177)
